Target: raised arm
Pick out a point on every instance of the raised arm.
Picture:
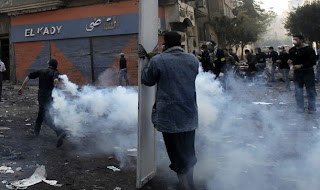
(25, 82)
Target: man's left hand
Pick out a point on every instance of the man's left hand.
(295, 67)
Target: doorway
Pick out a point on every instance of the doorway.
(5, 57)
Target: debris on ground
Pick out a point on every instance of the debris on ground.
(6, 170)
(113, 168)
(38, 176)
(261, 103)
(4, 128)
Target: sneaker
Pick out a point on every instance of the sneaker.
(60, 139)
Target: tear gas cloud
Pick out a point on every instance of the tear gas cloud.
(108, 115)
(240, 145)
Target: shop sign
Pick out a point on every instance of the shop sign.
(87, 27)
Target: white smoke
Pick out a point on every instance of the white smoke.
(239, 145)
(109, 115)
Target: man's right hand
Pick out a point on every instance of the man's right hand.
(289, 62)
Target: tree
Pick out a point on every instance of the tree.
(250, 23)
(304, 20)
(253, 22)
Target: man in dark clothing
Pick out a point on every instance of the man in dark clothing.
(303, 58)
(261, 60)
(175, 112)
(123, 70)
(48, 79)
(234, 55)
(274, 57)
(251, 61)
(205, 59)
(217, 57)
(284, 66)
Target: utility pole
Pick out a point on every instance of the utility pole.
(148, 37)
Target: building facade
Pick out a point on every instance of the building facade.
(86, 37)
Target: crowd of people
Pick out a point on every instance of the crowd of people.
(301, 59)
(174, 71)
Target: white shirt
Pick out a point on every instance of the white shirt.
(2, 67)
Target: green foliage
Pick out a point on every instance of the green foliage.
(304, 20)
(251, 22)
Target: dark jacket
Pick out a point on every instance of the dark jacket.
(261, 57)
(46, 78)
(234, 55)
(283, 57)
(174, 71)
(123, 63)
(305, 56)
(251, 61)
(219, 61)
(274, 56)
(205, 61)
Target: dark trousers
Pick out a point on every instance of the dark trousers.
(44, 115)
(1, 78)
(305, 78)
(181, 152)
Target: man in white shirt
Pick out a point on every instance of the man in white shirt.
(2, 70)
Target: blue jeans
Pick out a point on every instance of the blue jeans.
(123, 73)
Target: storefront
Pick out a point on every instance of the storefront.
(86, 41)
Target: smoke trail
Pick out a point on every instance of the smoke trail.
(109, 114)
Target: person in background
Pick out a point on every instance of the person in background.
(251, 62)
(123, 70)
(217, 57)
(230, 62)
(302, 57)
(274, 57)
(284, 66)
(261, 60)
(317, 76)
(2, 70)
(234, 55)
(48, 79)
(205, 59)
(175, 111)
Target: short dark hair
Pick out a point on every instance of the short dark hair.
(270, 47)
(53, 63)
(172, 39)
(230, 49)
(246, 51)
(298, 36)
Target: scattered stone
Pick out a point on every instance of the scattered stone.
(4, 128)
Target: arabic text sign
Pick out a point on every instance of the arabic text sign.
(88, 27)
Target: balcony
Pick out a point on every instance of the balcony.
(12, 7)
